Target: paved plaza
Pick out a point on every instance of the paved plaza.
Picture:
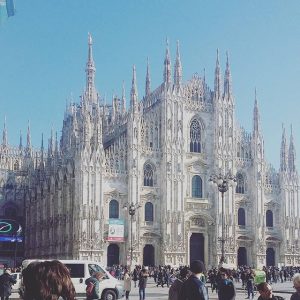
(158, 293)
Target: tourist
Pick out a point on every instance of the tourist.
(226, 288)
(176, 287)
(93, 286)
(47, 280)
(193, 288)
(127, 283)
(143, 277)
(265, 291)
(6, 281)
(296, 282)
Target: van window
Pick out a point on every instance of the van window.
(76, 270)
(93, 268)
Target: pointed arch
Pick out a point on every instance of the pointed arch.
(195, 136)
(149, 172)
(197, 186)
(240, 184)
(114, 209)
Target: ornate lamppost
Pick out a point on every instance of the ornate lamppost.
(222, 182)
(132, 207)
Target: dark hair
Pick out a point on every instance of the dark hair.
(197, 266)
(261, 286)
(47, 280)
(183, 272)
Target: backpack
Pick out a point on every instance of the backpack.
(89, 289)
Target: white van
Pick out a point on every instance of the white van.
(80, 270)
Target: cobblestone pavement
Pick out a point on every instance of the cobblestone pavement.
(158, 293)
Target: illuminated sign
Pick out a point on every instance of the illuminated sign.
(10, 231)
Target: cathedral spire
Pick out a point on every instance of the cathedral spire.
(177, 69)
(42, 152)
(28, 140)
(167, 66)
(227, 80)
(148, 80)
(134, 92)
(292, 153)
(123, 99)
(90, 70)
(21, 141)
(283, 152)
(4, 134)
(256, 118)
(217, 77)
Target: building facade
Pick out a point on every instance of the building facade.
(157, 155)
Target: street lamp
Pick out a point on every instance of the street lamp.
(132, 207)
(222, 182)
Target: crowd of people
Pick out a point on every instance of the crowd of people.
(51, 280)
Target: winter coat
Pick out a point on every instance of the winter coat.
(143, 280)
(127, 282)
(175, 289)
(226, 290)
(6, 281)
(193, 289)
(96, 294)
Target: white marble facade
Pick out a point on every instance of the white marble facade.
(158, 153)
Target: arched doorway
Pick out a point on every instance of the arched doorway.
(148, 255)
(270, 257)
(113, 253)
(242, 256)
(196, 247)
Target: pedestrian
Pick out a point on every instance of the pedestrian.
(176, 287)
(6, 281)
(135, 276)
(265, 291)
(47, 280)
(143, 277)
(296, 282)
(193, 288)
(127, 283)
(226, 290)
(250, 284)
(93, 290)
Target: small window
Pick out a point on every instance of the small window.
(148, 212)
(148, 175)
(76, 270)
(113, 209)
(269, 218)
(240, 184)
(241, 217)
(195, 137)
(197, 187)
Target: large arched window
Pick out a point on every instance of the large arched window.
(269, 218)
(241, 217)
(113, 209)
(240, 184)
(195, 136)
(148, 175)
(148, 212)
(197, 187)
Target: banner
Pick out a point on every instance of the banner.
(115, 230)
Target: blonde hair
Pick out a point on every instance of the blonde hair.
(296, 280)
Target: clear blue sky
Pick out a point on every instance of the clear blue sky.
(43, 51)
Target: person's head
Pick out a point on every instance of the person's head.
(265, 290)
(184, 272)
(7, 271)
(47, 280)
(197, 267)
(296, 282)
(98, 275)
(224, 274)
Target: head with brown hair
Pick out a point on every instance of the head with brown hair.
(47, 280)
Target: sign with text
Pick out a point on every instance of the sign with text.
(116, 230)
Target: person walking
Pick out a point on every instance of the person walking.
(193, 288)
(143, 277)
(93, 290)
(176, 287)
(6, 281)
(226, 290)
(127, 283)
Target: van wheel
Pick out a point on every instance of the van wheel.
(109, 295)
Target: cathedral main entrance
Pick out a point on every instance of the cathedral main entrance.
(242, 256)
(196, 247)
(113, 254)
(148, 255)
(270, 257)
